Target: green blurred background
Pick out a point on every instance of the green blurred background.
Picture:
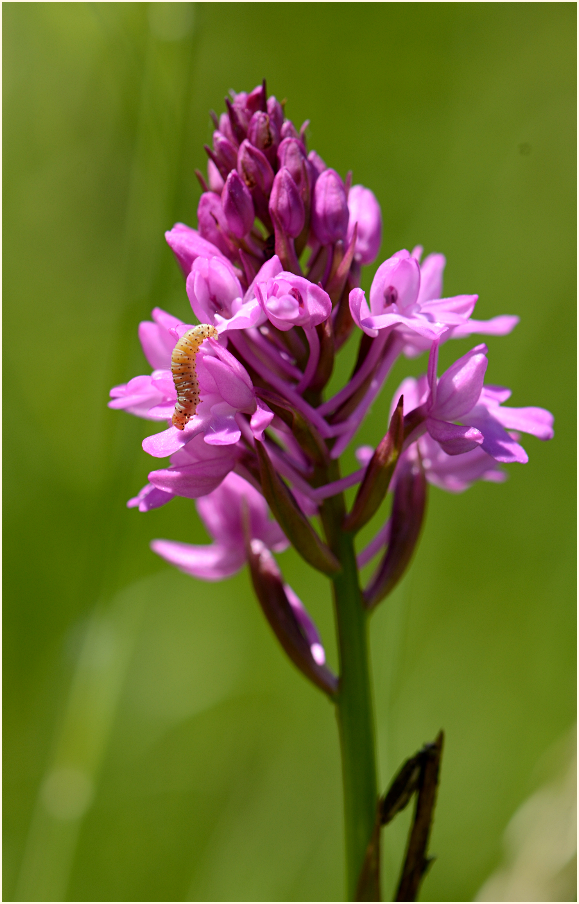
(158, 745)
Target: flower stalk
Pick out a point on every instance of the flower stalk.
(354, 707)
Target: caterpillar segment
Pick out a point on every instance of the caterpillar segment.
(184, 370)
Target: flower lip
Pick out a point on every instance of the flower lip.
(289, 300)
(222, 513)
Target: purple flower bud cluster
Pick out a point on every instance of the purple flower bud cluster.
(265, 194)
(275, 266)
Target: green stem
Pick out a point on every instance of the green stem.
(354, 701)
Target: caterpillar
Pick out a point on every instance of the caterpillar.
(185, 373)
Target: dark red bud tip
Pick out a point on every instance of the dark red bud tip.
(201, 180)
(257, 100)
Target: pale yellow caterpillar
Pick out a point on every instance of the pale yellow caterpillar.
(185, 373)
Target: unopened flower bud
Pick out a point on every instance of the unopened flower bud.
(291, 155)
(288, 130)
(212, 222)
(405, 523)
(225, 153)
(378, 474)
(225, 127)
(256, 100)
(329, 208)
(237, 205)
(365, 211)
(263, 134)
(254, 167)
(317, 163)
(287, 616)
(275, 110)
(237, 120)
(285, 204)
(239, 99)
(214, 177)
(188, 244)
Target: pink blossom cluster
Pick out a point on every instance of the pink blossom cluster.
(275, 266)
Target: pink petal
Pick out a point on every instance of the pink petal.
(460, 386)
(536, 421)
(500, 445)
(231, 361)
(169, 441)
(210, 563)
(365, 211)
(212, 287)
(494, 395)
(415, 323)
(164, 319)
(230, 387)
(360, 310)
(248, 315)
(260, 419)
(431, 272)
(193, 480)
(454, 439)
(455, 473)
(223, 429)
(269, 270)
(162, 412)
(150, 498)
(496, 326)
(137, 397)
(157, 344)
(450, 310)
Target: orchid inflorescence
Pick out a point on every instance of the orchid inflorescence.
(264, 438)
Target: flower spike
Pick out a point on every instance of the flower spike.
(273, 274)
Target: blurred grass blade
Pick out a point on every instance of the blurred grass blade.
(68, 786)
